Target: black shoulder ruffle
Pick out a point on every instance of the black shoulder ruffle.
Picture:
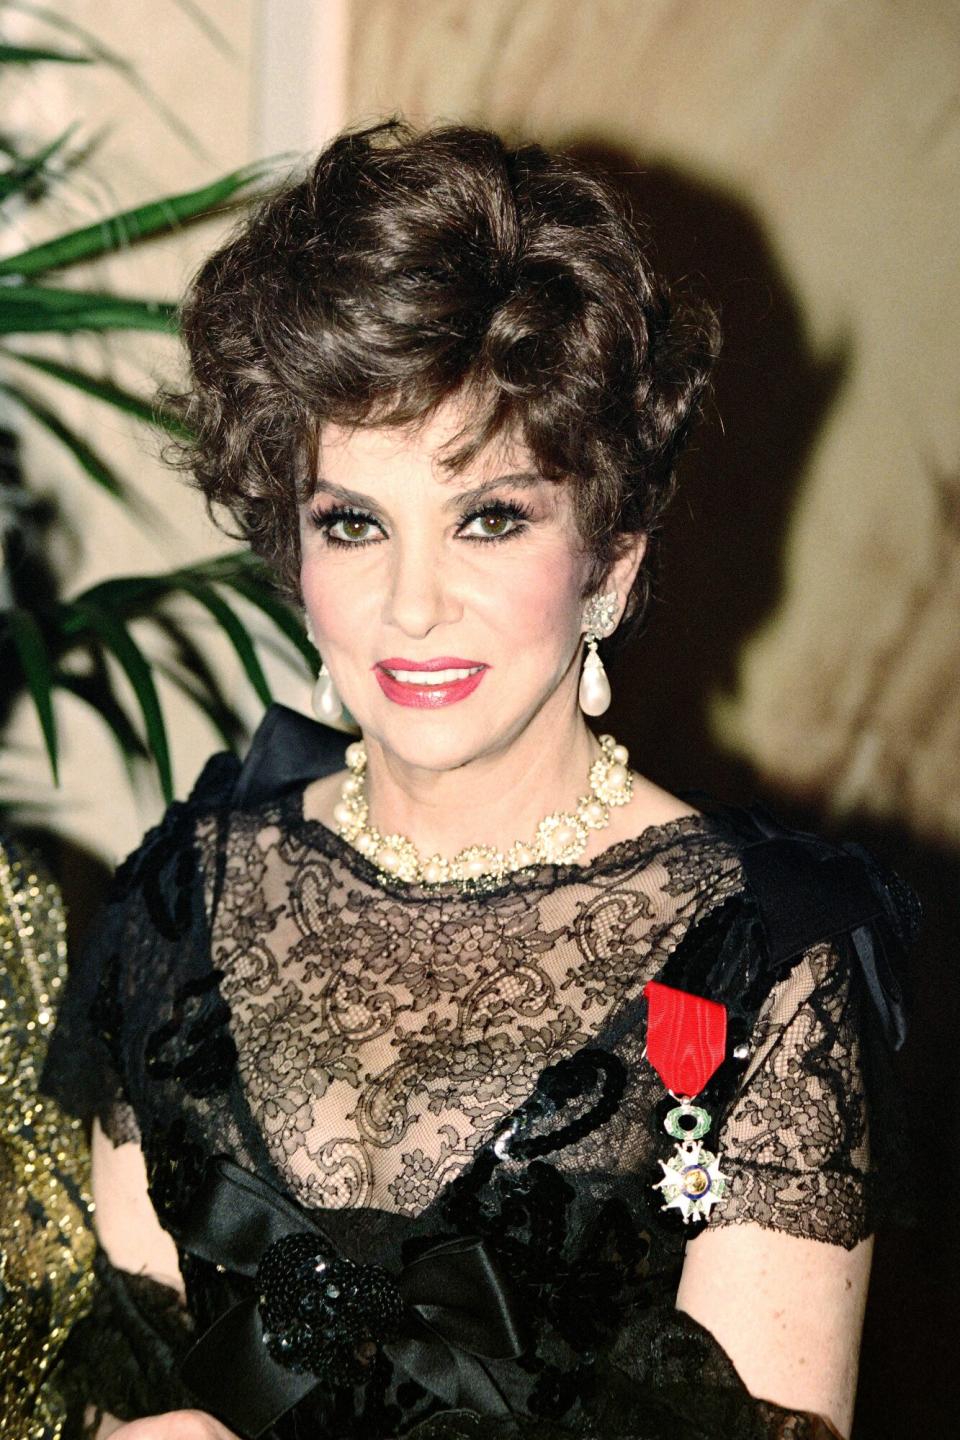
(810, 890)
(288, 749)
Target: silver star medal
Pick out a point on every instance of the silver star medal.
(692, 1179)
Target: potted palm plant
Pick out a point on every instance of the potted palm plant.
(79, 643)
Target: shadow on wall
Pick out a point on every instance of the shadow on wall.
(722, 545)
(722, 571)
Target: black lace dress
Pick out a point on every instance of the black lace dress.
(405, 1139)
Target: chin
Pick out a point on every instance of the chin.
(436, 740)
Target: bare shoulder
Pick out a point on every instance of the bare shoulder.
(649, 805)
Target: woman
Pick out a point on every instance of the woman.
(463, 1081)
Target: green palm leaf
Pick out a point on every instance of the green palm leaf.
(98, 51)
(116, 232)
(27, 168)
(128, 595)
(132, 595)
(29, 309)
(87, 458)
(247, 580)
(27, 54)
(106, 390)
(234, 630)
(32, 652)
(115, 637)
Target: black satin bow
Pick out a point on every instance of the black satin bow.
(810, 889)
(458, 1311)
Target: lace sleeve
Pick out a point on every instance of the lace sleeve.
(794, 1143)
(84, 1065)
(100, 1024)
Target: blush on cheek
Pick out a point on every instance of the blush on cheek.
(344, 616)
(321, 610)
(545, 600)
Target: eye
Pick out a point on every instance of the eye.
(498, 521)
(355, 527)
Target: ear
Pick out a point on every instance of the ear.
(623, 571)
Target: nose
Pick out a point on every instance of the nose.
(418, 595)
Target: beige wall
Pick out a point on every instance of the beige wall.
(803, 159)
(816, 146)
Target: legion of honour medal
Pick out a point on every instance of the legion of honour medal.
(686, 1044)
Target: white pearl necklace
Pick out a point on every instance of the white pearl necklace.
(560, 838)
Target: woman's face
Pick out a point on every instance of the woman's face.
(480, 573)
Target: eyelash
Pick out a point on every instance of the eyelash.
(510, 509)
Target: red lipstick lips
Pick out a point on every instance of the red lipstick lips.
(393, 678)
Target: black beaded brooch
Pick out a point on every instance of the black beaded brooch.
(323, 1314)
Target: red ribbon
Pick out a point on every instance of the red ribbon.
(686, 1037)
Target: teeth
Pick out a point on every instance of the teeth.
(432, 677)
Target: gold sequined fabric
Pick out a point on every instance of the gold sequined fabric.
(46, 1235)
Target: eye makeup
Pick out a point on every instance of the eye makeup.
(513, 511)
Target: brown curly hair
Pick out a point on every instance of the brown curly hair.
(409, 268)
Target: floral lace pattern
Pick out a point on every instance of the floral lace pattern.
(384, 1031)
(799, 1129)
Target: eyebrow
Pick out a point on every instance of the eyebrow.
(523, 478)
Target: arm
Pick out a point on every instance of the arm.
(788, 1311)
(134, 1240)
(125, 1220)
(784, 1289)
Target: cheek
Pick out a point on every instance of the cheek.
(537, 601)
(332, 601)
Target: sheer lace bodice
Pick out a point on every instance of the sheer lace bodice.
(384, 1032)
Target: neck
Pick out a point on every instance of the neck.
(495, 799)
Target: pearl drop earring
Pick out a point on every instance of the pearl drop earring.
(598, 620)
(327, 705)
